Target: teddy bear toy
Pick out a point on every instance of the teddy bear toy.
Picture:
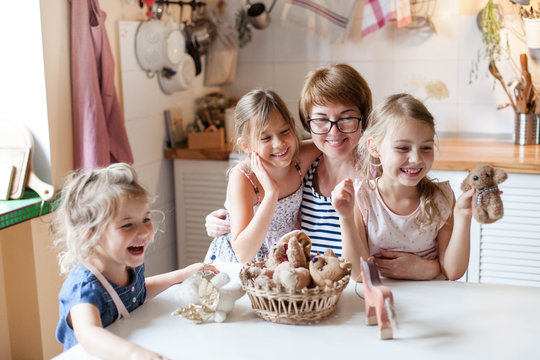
(206, 297)
(487, 205)
(326, 269)
(292, 273)
(287, 264)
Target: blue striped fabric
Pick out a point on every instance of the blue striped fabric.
(319, 219)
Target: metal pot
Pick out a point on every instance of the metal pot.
(201, 32)
(257, 14)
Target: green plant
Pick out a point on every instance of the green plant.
(491, 26)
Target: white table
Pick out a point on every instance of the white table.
(437, 320)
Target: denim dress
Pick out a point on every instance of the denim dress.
(81, 286)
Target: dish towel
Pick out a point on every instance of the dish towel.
(378, 12)
(328, 18)
(222, 54)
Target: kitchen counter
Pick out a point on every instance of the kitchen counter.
(436, 320)
(452, 154)
(457, 154)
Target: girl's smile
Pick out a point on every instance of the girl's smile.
(277, 144)
(126, 238)
(406, 154)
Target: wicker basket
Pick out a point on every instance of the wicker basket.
(306, 306)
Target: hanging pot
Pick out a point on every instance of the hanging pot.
(192, 50)
(257, 14)
(175, 44)
(150, 46)
(179, 78)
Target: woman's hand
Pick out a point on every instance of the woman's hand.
(216, 225)
(267, 182)
(343, 198)
(403, 265)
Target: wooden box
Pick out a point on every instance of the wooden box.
(206, 140)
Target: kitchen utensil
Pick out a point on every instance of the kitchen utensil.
(183, 76)
(526, 129)
(521, 103)
(158, 10)
(6, 179)
(150, 47)
(527, 80)
(503, 106)
(495, 72)
(175, 44)
(17, 140)
(192, 50)
(257, 14)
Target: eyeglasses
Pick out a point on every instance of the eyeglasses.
(324, 126)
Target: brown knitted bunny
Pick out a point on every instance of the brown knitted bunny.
(487, 204)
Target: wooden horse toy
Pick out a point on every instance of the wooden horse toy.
(378, 300)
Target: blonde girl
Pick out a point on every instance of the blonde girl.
(103, 228)
(264, 191)
(413, 226)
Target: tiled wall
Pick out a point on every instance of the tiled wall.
(279, 57)
(391, 60)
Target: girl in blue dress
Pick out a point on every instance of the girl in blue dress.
(103, 228)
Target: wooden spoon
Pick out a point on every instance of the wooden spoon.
(497, 75)
(527, 79)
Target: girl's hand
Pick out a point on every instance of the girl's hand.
(216, 225)
(267, 182)
(141, 353)
(193, 268)
(464, 202)
(343, 198)
(403, 265)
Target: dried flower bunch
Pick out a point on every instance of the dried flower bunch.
(527, 11)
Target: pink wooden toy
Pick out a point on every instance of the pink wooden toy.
(378, 300)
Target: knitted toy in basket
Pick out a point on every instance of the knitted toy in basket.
(326, 269)
(487, 204)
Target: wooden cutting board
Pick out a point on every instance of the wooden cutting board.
(17, 157)
(16, 148)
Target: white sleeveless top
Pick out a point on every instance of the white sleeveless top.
(394, 232)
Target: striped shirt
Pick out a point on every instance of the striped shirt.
(319, 218)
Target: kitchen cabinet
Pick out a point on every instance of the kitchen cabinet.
(507, 251)
(200, 187)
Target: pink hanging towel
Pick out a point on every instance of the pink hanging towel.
(99, 133)
(378, 12)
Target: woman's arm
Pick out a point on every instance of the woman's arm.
(86, 323)
(353, 234)
(406, 266)
(159, 283)
(454, 238)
